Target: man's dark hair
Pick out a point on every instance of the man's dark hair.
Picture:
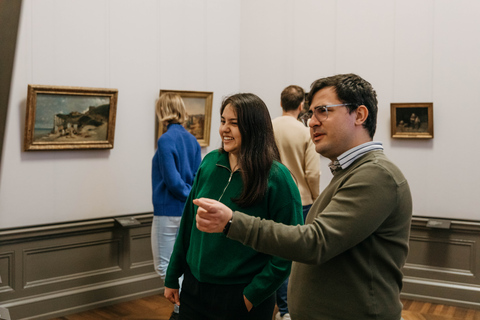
(353, 89)
(291, 97)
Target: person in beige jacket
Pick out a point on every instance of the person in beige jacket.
(296, 148)
(297, 153)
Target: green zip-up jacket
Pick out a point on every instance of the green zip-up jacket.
(212, 258)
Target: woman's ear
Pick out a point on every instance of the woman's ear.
(362, 115)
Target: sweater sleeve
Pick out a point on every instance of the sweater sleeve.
(357, 208)
(168, 168)
(285, 207)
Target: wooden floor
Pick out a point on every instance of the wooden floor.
(158, 308)
(154, 307)
(414, 310)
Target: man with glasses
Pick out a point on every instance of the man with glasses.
(349, 254)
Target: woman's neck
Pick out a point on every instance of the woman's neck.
(233, 160)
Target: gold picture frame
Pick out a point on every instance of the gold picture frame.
(69, 118)
(199, 110)
(412, 120)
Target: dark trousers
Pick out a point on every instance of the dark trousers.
(305, 211)
(281, 297)
(207, 301)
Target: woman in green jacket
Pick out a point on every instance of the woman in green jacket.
(222, 278)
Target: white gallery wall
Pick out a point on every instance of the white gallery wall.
(411, 51)
(137, 47)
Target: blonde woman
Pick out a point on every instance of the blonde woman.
(174, 166)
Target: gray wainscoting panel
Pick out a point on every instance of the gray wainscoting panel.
(443, 265)
(141, 252)
(54, 263)
(53, 270)
(6, 271)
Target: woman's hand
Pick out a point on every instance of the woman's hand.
(248, 304)
(172, 295)
(212, 216)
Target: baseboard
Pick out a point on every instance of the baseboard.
(84, 298)
(453, 294)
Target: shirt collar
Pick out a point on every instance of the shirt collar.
(348, 157)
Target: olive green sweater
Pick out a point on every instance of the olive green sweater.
(351, 250)
(212, 258)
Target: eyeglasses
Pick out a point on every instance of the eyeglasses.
(320, 112)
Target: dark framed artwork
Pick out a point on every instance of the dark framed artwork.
(69, 118)
(412, 120)
(199, 110)
(306, 108)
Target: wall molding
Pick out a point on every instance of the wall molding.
(77, 290)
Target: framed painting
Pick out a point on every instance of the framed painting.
(69, 118)
(306, 108)
(412, 120)
(199, 111)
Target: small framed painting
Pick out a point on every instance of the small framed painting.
(412, 120)
(69, 118)
(199, 111)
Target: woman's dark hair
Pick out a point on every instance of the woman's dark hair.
(353, 89)
(258, 149)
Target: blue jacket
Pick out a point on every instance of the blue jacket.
(174, 166)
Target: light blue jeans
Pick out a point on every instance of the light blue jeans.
(164, 234)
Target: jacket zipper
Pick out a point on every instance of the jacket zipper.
(228, 183)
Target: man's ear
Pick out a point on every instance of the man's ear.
(362, 115)
(300, 107)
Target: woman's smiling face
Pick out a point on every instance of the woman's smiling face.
(229, 131)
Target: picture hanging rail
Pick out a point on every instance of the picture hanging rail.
(199, 110)
(412, 120)
(69, 118)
